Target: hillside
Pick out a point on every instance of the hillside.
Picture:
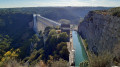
(17, 25)
(56, 13)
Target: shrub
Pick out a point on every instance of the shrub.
(116, 52)
(84, 64)
(8, 57)
(85, 43)
(116, 13)
(60, 63)
(104, 59)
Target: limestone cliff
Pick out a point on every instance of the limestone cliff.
(101, 31)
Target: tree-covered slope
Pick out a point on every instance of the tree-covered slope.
(56, 13)
(17, 25)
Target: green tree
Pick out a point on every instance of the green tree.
(35, 39)
(63, 37)
(59, 46)
(64, 53)
(47, 30)
(52, 32)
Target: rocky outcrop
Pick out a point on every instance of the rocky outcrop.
(100, 31)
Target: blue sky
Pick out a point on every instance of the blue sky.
(36, 3)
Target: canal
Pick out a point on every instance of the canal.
(80, 53)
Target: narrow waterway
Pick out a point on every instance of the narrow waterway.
(80, 53)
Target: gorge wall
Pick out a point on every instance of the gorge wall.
(100, 31)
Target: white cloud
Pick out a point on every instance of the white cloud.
(61, 3)
(35, 3)
(77, 3)
(93, 0)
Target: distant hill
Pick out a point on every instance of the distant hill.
(56, 13)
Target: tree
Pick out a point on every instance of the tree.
(9, 55)
(51, 43)
(41, 34)
(5, 42)
(35, 39)
(47, 30)
(59, 46)
(52, 32)
(63, 51)
(63, 37)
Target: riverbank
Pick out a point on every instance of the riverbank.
(85, 47)
(71, 51)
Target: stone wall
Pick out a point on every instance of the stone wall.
(100, 31)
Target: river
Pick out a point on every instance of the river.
(80, 53)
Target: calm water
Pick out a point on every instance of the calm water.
(80, 54)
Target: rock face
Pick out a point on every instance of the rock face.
(100, 31)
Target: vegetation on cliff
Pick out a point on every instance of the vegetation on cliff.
(113, 11)
(34, 50)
